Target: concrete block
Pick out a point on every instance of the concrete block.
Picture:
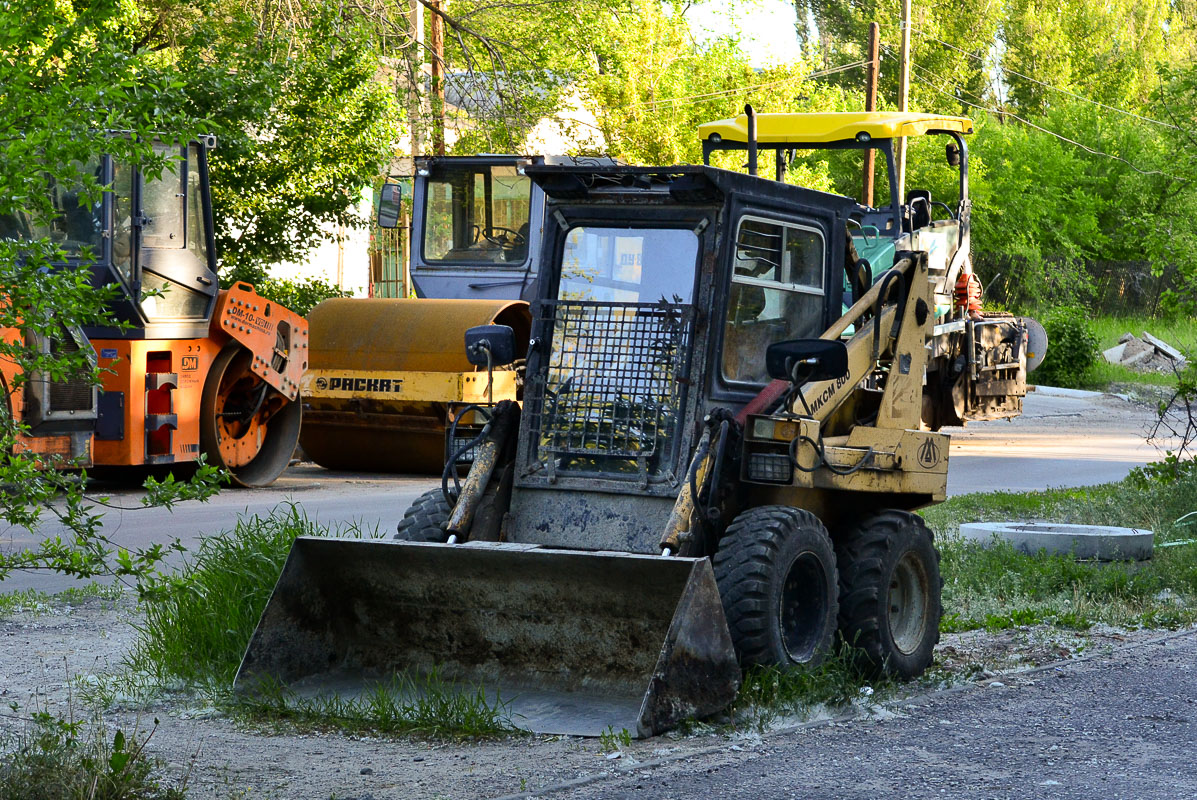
(1114, 354)
(1163, 347)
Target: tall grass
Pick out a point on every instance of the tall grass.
(842, 679)
(998, 587)
(1179, 331)
(196, 626)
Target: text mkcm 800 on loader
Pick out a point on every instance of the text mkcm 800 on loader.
(658, 514)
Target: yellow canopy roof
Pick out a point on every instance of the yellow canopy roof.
(832, 126)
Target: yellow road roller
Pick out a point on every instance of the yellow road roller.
(386, 374)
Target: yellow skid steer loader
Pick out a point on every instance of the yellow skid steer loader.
(713, 465)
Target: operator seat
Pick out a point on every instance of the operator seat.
(918, 209)
(519, 250)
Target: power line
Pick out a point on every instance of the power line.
(1026, 122)
(737, 90)
(1006, 69)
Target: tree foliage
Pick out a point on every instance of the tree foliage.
(301, 122)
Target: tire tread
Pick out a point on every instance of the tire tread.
(862, 556)
(743, 564)
(425, 518)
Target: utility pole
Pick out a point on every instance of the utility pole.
(436, 41)
(871, 105)
(415, 108)
(903, 94)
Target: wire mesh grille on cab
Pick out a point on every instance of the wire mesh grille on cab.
(611, 400)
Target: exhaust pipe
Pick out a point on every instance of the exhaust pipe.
(751, 138)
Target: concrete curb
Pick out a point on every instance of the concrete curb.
(1060, 391)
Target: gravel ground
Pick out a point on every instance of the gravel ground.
(1112, 716)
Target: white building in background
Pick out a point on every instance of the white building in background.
(344, 260)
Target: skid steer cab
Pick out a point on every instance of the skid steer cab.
(186, 368)
(713, 466)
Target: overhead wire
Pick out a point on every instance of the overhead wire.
(947, 81)
(1072, 94)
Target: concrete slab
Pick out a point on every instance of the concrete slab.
(1101, 542)
(1164, 347)
(1114, 354)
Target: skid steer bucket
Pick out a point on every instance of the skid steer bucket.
(570, 642)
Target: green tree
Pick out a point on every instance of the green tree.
(950, 46)
(302, 124)
(1106, 51)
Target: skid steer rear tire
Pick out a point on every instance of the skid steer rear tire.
(890, 590)
(775, 567)
(424, 520)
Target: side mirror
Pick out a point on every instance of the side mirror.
(388, 205)
(803, 361)
(953, 155)
(497, 340)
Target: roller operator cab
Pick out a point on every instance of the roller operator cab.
(473, 221)
(188, 368)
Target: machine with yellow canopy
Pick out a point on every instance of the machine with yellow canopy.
(980, 360)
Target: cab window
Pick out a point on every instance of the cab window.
(477, 215)
(776, 293)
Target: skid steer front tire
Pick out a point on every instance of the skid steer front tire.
(775, 568)
(424, 520)
(890, 590)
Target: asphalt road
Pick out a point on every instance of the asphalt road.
(1064, 438)
(1119, 725)
(1061, 440)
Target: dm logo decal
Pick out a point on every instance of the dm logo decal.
(928, 454)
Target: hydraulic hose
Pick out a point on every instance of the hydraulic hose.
(451, 463)
(821, 452)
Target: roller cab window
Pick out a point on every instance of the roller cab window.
(176, 282)
(477, 215)
(78, 221)
(776, 293)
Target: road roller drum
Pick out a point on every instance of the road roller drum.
(385, 372)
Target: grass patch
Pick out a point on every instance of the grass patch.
(1179, 331)
(197, 624)
(57, 759)
(996, 588)
(421, 705)
(31, 600)
(842, 679)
